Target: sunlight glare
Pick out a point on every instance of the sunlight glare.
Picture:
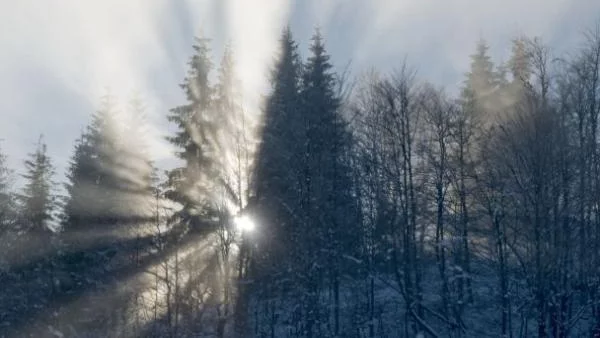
(244, 223)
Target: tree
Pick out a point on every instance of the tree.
(7, 207)
(232, 176)
(463, 171)
(93, 177)
(394, 136)
(108, 210)
(439, 118)
(494, 196)
(37, 199)
(79, 177)
(520, 61)
(277, 179)
(8, 212)
(192, 185)
(479, 91)
(373, 195)
(197, 129)
(584, 102)
(212, 185)
(329, 202)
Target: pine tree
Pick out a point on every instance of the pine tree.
(80, 182)
(37, 199)
(206, 185)
(8, 212)
(304, 184)
(331, 206)
(232, 140)
(478, 93)
(196, 136)
(108, 206)
(278, 183)
(481, 77)
(277, 180)
(7, 207)
(109, 186)
(93, 182)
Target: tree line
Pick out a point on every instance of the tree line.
(385, 206)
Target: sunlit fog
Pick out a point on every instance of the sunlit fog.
(280, 168)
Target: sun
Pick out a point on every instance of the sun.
(243, 223)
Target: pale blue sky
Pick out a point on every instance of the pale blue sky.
(57, 57)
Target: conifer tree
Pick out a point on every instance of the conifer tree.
(304, 184)
(79, 176)
(93, 184)
(329, 203)
(7, 207)
(280, 159)
(196, 136)
(278, 184)
(37, 199)
(479, 97)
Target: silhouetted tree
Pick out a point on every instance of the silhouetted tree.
(329, 202)
(278, 181)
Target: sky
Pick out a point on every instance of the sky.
(59, 57)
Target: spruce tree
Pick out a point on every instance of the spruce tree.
(93, 176)
(109, 199)
(481, 78)
(79, 185)
(478, 93)
(278, 183)
(7, 207)
(106, 137)
(278, 173)
(304, 185)
(196, 137)
(8, 212)
(37, 199)
(330, 205)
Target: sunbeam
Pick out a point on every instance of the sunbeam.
(299, 168)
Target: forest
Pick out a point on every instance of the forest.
(359, 205)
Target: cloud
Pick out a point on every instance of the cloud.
(437, 37)
(255, 30)
(59, 56)
(85, 45)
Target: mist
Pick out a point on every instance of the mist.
(299, 168)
